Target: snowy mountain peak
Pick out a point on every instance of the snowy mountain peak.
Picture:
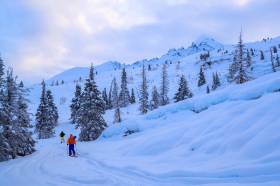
(207, 43)
(200, 45)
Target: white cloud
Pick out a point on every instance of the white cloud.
(65, 22)
(76, 33)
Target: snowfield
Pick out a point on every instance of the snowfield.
(235, 141)
(229, 137)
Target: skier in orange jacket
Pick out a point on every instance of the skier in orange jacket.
(71, 142)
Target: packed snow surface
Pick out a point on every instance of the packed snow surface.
(224, 138)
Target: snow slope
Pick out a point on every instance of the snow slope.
(233, 140)
(228, 137)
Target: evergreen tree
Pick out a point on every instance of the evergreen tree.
(15, 139)
(75, 104)
(164, 100)
(117, 115)
(24, 144)
(238, 69)
(92, 107)
(273, 66)
(105, 98)
(216, 81)
(183, 90)
(277, 60)
(201, 78)
(207, 89)
(143, 92)
(10, 98)
(6, 150)
(132, 97)
(2, 73)
(272, 61)
(252, 52)
(110, 105)
(124, 93)
(262, 55)
(115, 97)
(52, 109)
(44, 129)
(248, 59)
(22, 115)
(155, 102)
(274, 49)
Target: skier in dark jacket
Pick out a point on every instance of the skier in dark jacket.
(62, 134)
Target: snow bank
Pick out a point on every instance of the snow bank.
(251, 90)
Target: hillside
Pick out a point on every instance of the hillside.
(228, 137)
(173, 145)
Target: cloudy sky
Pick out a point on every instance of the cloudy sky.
(42, 38)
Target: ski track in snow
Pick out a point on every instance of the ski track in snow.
(51, 166)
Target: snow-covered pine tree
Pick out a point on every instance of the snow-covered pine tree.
(248, 59)
(24, 144)
(274, 49)
(132, 97)
(262, 55)
(207, 89)
(124, 93)
(252, 52)
(110, 102)
(2, 73)
(277, 60)
(272, 61)
(8, 93)
(183, 91)
(43, 128)
(8, 110)
(216, 81)
(14, 133)
(52, 109)
(238, 71)
(117, 115)
(273, 66)
(92, 107)
(75, 104)
(232, 70)
(155, 102)
(22, 115)
(143, 93)
(164, 100)
(6, 150)
(201, 78)
(115, 97)
(105, 98)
